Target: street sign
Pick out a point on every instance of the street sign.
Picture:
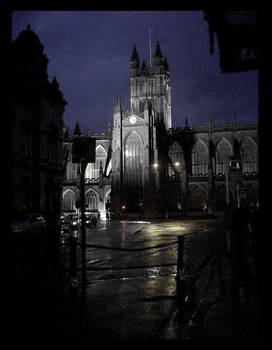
(83, 149)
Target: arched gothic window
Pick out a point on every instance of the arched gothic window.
(248, 153)
(91, 200)
(200, 159)
(175, 154)
(223, 152)
(92, 169)
(68, 201)
(133, 158)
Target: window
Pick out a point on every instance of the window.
(223, 151)
(133, 170)
(91, 200)
(92, 170)
(248, 153)
(200, 159)
(175, 154)
(68, 203)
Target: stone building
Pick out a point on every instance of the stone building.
(36, 115)
(150, 169)
(97, 175)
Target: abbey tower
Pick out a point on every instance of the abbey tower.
(135, 132)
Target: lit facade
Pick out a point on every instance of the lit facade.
(149, 169)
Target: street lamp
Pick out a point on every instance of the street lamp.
(83, 152)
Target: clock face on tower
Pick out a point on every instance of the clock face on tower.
(132, 119)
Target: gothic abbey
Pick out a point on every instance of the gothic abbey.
(149, 168)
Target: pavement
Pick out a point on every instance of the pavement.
(223, 306)
(219, 305)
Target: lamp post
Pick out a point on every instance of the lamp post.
(83, 219)
(227, 211)
(83, 152)
(234, 178)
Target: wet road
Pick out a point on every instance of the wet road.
(131, 269)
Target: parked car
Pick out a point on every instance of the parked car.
(73, 221)
(28, 223)
(64, 223)
(88, 221)
(95, 213)
(93, 220)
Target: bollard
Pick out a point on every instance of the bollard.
(83, 228)
(180, 252)
(228, 241)
(179, 278)
(228, 228)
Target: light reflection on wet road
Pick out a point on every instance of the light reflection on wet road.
(131, 269)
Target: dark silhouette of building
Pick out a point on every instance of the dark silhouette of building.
(36, 114)
(238, 38)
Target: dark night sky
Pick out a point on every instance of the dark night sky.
(89, 53)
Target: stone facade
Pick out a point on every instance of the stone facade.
(154, 170)
(36, 110)
(97, 176)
